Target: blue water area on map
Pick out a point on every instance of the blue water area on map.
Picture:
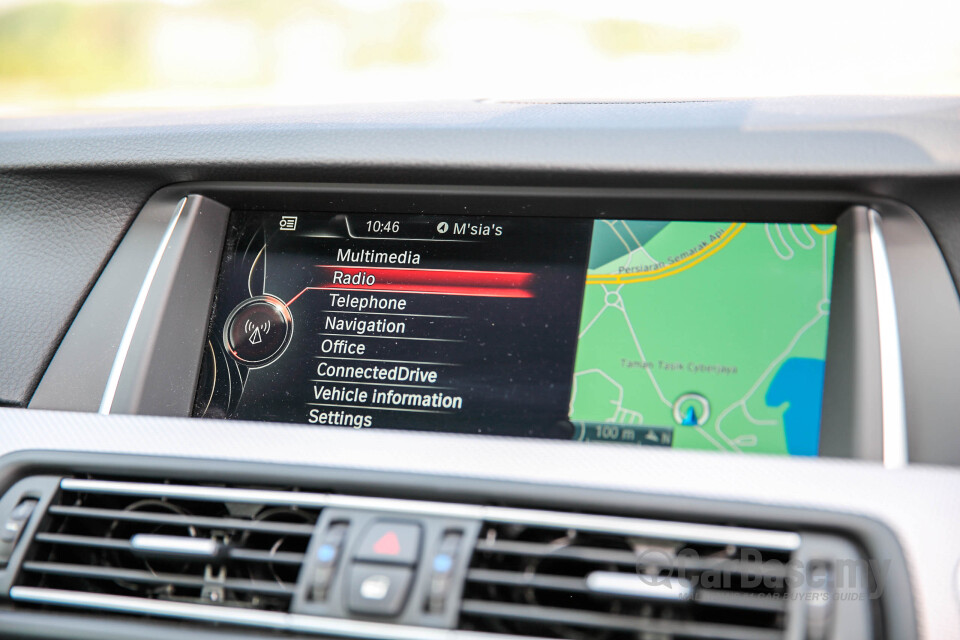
(799, 381)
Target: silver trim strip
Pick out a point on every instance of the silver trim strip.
(633, 585)
(892, 404)
(291, 622)
(113, 381)
(174, 545)
(701, 533)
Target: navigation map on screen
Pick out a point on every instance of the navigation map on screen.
(704, 335)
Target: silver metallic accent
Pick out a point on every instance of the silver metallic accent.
(113, 381)
(175, 545)
(633, 585)
(892, 403)
(690, 532)
(290, 622)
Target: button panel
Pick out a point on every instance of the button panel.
(397, 568)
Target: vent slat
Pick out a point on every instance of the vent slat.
(172, 519)
(543, 550)
(735, 600)
(517, 579)
(271, 557)
(93, 542)
(246, 555)
(97, 572)
(574, 618)
(773, 570)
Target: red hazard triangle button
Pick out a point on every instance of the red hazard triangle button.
(387, 545)
(390, 542)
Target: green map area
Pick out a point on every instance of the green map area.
(705, 335)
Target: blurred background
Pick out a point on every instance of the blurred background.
(68, 55)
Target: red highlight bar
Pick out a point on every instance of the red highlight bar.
(450, 282)
(464, 278)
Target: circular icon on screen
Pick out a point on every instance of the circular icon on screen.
(691, 410)
(258, 331)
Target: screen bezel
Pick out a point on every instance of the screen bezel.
(170, 338)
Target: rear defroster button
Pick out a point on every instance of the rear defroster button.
(378, 590)
(258, 331)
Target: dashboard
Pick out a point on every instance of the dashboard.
(483, 370)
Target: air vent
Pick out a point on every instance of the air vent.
(580, 584)
(234, 555)
(160, 546)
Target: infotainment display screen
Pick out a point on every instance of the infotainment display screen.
(701, 335)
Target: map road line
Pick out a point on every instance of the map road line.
(672, 270)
